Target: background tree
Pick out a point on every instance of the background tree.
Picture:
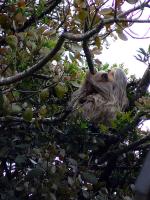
(45, 48)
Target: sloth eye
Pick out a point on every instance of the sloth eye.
(105, 76)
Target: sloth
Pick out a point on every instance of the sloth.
(101, 96)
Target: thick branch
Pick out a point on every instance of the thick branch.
(88, 56)
(143, 84)
(34, 68)
(87, 51)
(84, 36)
(133, 20)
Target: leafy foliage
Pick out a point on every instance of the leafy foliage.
(46, 153)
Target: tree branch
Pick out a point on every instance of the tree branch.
(34, 68)
(46, 121)
(41, 76)
(33, 19)
(87, 51)
(123, 133)
(118, 152)
(143, 84)
(88, 34)
(84, 36)
(132, 20)
(88, 56)
(113, 156)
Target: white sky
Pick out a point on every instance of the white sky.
(124, 52)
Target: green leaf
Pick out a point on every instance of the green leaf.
(122, 36)
(35, 173)
(44, 94)
(15, 109)
(83, 125)
(28, 114)
(89, 177)
(98, 41)
(5, 21)
(53, 197)
(43, 111)
(70, 181)
(149, 49)
(6, 105)
(143, 51)
(20, 159)
(61, 89)
(85, 194)
(101, 142)
(82, 14)
(50, 44)
(12, 40)
(106, 11)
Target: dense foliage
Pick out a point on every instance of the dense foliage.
(46, 46)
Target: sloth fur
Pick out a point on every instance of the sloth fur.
(101, 96)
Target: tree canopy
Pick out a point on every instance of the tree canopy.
(46, 47)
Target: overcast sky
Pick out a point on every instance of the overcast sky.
(124, 52)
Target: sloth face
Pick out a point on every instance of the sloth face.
(104, 77)
(111, 75)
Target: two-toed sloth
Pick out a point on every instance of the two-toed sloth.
(101, 96)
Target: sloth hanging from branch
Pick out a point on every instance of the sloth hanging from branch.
(101, 96)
